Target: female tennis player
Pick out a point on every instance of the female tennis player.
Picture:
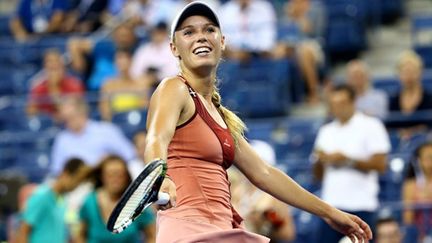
(200, 139)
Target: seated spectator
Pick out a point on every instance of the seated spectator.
(155, 54)
(249, 27)
(43, 218)
(94, 60)
(49, 87)
(84, 16)
(37, 17)
(111, 178)
(388, 231)
(122, 92)
(86, 139)
(368, 100)
(301, 28)
(412, 97)
(417, 195)
(263, 214)
(142, 14)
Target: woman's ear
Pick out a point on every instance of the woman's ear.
(223, 43)
(174, 50)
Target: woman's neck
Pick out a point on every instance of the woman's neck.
(112, 197)
(203, 84)
(412, 88)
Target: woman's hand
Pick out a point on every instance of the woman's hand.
(349, 225)
(169, 187)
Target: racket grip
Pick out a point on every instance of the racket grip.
(163, 198)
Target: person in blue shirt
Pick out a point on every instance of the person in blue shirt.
(85, 138)
(43, 218)
(93, 60)
(37, 17)
(111, 178)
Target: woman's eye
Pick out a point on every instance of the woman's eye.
(187, 32)
(211, 29)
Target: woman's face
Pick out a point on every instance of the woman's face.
(425, 157)
(198, 43)
(115, 177)
(409, 72)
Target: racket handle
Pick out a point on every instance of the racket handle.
(163, 198)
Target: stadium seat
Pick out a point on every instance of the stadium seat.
(131, 121)
(422, 37)
(34, 165)
(243, 83)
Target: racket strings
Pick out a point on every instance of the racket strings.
(136, 198)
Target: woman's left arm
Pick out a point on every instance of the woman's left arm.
(282, 187)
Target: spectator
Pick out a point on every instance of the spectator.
(249, 27)
(37, 17)
(369, 100)
(44, 215)
(263, 214)
(52, 85)
(155, 54)
(349, 152)
(86, 139)
(388, 231)
(412, 97)
(416, 192)
(85, 16)
(111, 178)
(100, 64)
(124, 93)
(137, 164)
(301, 29)
(143, 14)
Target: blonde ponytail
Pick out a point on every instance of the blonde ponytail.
(234, 123)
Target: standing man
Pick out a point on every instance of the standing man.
(349, 152)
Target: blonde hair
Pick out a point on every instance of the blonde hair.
(236, 126)
(412, 56)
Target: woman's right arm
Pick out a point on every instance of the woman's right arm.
(167, 105)
(408, 196)
(82, 233)
(78, 49)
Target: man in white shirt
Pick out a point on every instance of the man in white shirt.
(350, 151)
(249, 27)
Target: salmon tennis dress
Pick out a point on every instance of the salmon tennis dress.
(198, 156)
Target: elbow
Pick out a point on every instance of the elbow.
(262, 178)
(382, 167)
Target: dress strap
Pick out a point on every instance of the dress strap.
(191, 90)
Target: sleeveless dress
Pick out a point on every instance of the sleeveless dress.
(198, 156)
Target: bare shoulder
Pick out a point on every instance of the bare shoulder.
(109, 85)
(173, 87)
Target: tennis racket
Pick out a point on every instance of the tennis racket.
(140, 194)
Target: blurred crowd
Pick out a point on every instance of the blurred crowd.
(120, 51)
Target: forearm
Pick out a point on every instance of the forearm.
(17, 27)
(282, 187)
(78, 60)
(55, 23)
(24, 233)
(366, 166)
(155, 148)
